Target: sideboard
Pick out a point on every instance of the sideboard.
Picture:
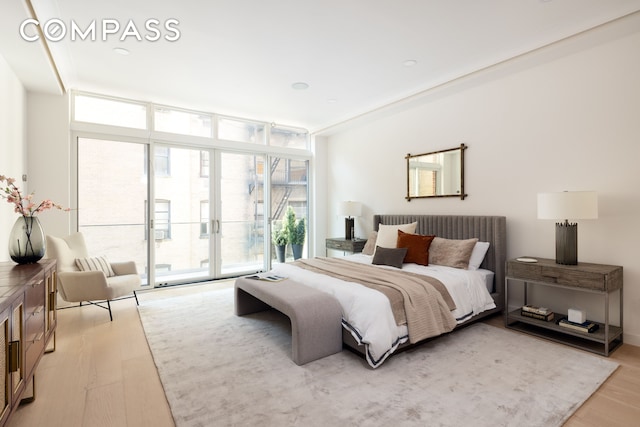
(27, 328)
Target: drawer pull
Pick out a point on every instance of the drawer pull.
(14, 356)
(52, 301)
(38, 337)
(38, 283)
(38, 310)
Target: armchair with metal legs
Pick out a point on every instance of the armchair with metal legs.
(98, 283)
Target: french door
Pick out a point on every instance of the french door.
(199, 215)
(208, 215)
(179, 224)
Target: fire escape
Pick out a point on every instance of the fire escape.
(283, 186)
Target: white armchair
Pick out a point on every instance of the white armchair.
(92, 285)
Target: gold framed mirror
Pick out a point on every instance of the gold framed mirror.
(436, 174)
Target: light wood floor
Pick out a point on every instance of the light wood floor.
(102, 374)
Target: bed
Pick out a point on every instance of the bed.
(369, 326)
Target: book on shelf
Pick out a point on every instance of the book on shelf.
(537, 310)
(546, 317)
(587, 326)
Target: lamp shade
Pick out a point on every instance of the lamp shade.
(350, 209)
(568, 205)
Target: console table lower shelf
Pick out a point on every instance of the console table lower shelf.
(600, 341)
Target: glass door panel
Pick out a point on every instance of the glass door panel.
(242, 220)
(289, 189)
(112, 188)
(180, 232)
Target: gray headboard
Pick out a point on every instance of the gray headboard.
(492, 229)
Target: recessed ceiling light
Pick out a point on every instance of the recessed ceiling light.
(121, 51)
(332, 100)
(409, 62)
(300, 86)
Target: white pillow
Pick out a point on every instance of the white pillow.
(477, 255)
(95, 264)
(388, 234)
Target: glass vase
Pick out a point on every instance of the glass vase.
(26, 241)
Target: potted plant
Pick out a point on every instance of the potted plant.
(297, 238)
(279, 238)
(289, 222)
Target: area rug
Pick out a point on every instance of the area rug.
(218, 369)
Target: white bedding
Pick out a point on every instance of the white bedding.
(367, 313)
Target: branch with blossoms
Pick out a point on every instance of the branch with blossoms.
(24, 205)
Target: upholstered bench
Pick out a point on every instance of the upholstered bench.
(316, 329)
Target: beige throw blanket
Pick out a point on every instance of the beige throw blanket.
(421, 302)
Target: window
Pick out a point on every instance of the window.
(204, 164)
(172, 161)
(162, 165)
(106, 111)
(298, 171)
(241, 131)
(162, 225)
(182, 122)
(289, 137)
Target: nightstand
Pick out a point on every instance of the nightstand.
(345, 245)
(598, 279)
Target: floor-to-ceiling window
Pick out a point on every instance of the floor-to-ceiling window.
(184, 194)
(112, 190)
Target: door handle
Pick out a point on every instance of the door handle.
(215, 226)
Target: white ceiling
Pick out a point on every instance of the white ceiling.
(240, 57)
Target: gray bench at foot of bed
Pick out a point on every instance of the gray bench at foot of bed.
(316, 329)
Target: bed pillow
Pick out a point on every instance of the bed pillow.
(417, 247)
(95, 264)
(388, 234)
(370, 246)
(452, 253)
(478, 254)
(389, 256)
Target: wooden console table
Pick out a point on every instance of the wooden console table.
(602, 280)
(27, 328)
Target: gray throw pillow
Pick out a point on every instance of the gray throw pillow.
(389, 256)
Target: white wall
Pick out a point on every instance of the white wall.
(13, 144)
(49, 157)
(566, 117)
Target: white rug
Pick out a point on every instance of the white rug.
(218, 369)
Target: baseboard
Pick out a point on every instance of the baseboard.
(633, 339)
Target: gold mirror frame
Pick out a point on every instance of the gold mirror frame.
(440, 171)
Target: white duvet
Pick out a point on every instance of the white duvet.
(366, 313)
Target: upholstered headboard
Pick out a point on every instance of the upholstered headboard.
(492, 229)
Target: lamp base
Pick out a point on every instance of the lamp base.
(349, 224)
(566, 243)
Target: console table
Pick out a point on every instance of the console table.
(599, 279)
(27, 328)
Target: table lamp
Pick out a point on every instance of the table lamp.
(564, 206)
(350, 209)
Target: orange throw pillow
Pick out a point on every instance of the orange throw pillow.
(417, 247)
